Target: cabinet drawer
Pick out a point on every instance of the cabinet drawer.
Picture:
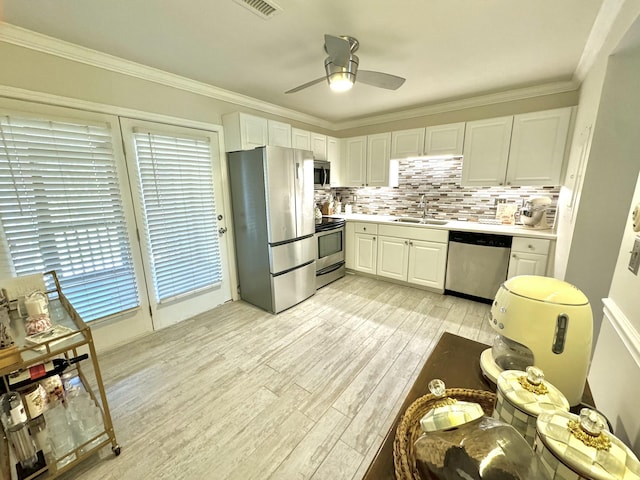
(530, 245)
(370, 228)
(414, 233)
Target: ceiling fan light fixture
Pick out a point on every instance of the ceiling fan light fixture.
(340, 78)
(341, 82)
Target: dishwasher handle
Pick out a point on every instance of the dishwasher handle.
(484, 239)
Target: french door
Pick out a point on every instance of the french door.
(138, 240)
(176, 182)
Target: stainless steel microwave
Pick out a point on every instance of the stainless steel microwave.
(321, 174)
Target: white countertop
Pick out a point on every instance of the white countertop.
(457, 225)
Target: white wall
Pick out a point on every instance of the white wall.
(594, 240)
(602, 237)
(589, 236)
(615, 371)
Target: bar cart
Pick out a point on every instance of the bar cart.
(69, 339)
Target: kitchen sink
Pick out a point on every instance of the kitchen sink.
(421, 221)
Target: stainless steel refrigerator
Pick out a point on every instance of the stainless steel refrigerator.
(274, 225)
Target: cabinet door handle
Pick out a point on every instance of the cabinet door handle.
(530, 247)
(410, 243)
(406, 243)
(514, 255)
(374, 239)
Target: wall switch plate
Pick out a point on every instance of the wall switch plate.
(634, 261)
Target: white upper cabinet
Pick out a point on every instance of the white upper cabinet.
(520, 150)
(300, 139)
(444, 139)
(354, 161)
(333, 156)
(365, 161)
(279, 134)
(437, 140)
(486, 151)
(319, 146)
(407, 143)
(538, 147)
(378, 155)
(244, 132)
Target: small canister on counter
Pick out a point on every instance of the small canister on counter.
(573, 447)
(521, 397)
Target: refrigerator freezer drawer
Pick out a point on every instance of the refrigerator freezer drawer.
(293, 287)
(290, 255)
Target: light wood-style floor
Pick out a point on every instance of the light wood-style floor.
(238, 393)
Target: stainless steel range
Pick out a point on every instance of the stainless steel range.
(330, 258)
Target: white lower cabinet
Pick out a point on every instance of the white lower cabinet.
(361, 247)
(393, 254)
(427, 263)
(529, 256)
(417, 255)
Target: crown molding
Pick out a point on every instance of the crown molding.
(477, 101)
(602, 25)
(42, 43)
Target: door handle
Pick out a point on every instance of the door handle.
(222, 230)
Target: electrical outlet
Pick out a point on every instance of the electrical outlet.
(634, 261)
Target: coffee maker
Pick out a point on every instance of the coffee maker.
(544, 322)
(533, 213)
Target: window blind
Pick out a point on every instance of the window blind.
(176, 185)
(61, 209)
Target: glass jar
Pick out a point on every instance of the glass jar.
(459, 441)
(521, 397)
(581, 448)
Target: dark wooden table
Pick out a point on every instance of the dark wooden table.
(456, 361)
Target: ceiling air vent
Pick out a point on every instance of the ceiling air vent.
(262, 8)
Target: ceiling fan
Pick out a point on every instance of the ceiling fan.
(341, 68)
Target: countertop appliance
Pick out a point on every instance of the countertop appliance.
(545, 322)
(534, 213)
(274, 225)
(477, 264)
(321, 174)
(330, 242)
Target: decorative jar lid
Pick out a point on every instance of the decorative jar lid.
(546, 289)
(530, 393)
(584, 445)
(448, 412)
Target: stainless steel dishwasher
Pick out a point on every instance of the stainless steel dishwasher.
(477, 264)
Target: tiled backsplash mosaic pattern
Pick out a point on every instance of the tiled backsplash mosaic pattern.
(439, 181)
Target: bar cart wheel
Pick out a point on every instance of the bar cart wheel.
(116, 450)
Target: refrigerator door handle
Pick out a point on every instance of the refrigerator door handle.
(297, 170)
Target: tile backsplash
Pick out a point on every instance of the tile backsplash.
(439, 181)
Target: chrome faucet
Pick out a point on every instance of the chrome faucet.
(423, 205)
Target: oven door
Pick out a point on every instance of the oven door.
(330, 247)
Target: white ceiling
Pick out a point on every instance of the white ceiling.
(446, 49)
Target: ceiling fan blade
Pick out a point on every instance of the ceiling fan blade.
(308, 84)
(339, 50)
(379, 79)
